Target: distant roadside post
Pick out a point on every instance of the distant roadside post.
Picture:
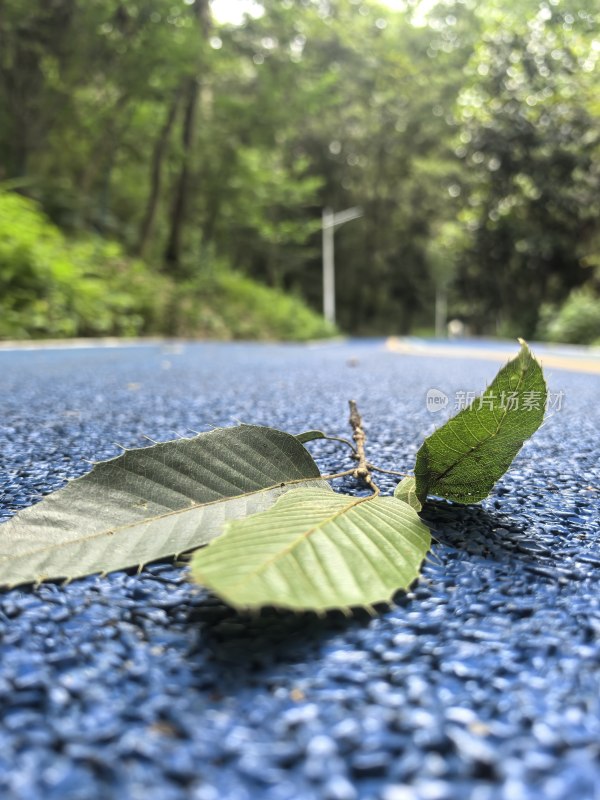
(331, 221)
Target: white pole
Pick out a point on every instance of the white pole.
(328, 266)
(441, 313)
(329, 222)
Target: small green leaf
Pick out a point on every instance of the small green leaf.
(152, 503)
(464, 458)
(407, 492)
(316, 550)
(310, 436)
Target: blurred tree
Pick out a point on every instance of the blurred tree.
(191, 91)
(34, 50)
(361, 99)
(158, 157)
(530, 145)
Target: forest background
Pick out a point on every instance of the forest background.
(163, 171)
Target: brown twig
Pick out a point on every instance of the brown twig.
(338, 475)
(361, 471)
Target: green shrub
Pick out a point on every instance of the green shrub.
(577, 321)
(227, 305)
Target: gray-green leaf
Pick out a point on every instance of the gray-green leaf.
(316, 550)
(407, 492)
(464, 458)
(152, 503)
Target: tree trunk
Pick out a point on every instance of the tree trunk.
(107, 142)
(179, 207)
(160, 149)
(173, 250)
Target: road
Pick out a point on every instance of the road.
(482, 683)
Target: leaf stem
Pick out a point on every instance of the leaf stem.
(344, 441)
(362, 471)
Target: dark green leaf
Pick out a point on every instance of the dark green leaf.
(152, 503)
(464, 458)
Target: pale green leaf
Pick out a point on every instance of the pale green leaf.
(464, 458)
(316, 550)
(152, 503)
(407, 492)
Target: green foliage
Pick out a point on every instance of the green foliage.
(317, 550)
(528, 142)
(577, 321)
(284, 537)
(470, 139)
(151, 503)
(51, 286)
(464, 458)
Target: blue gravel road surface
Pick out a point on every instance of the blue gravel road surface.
(482, 683)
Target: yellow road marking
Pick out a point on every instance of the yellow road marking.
(585, 364)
